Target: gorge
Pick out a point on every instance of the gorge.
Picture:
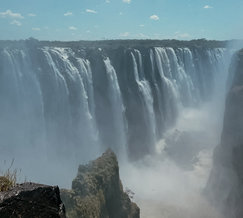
(157, 104)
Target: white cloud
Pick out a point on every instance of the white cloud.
(184, 35)
(10, 14)
(179, 35)
(16, 22)
(127, 1)
(68, 13)
(141, 25)
(36, 29)
(154, 17)
(88, 31)
(141, 35)
(207, 7)
(107, 1)
(157, 36)
(72, 28)
(31, 15)
(120, 13)
(126, 34)
(91, 11)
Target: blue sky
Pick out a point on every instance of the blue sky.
(113, 19)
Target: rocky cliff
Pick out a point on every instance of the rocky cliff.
(31, 200)
(97, 192)
(225, 186)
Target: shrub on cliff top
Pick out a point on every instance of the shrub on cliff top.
(8, 179)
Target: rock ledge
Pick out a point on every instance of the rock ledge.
(31, 200)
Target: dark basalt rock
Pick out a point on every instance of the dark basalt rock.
(225, 185)
(30, 200)
(97, 192)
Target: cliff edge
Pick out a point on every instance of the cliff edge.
(225, 185)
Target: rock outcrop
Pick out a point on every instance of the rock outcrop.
(97, 192)
(225, 186)
(29, 200)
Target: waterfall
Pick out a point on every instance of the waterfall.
(169, 89)
(21, 103)
(118, 109)
(145, 91)
(74, 102)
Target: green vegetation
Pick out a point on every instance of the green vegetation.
(135, 43)
(114, 44)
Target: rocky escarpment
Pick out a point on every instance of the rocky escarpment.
(97, 192)
(226, 181)
(31, 200)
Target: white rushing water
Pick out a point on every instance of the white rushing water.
(118, 110)
(63, 106)
(146, 94)
(162, 186)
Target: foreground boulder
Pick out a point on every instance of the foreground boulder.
(97, 192)
(29, 200)
(225, 185)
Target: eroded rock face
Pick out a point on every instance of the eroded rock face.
(225, 186)
(97, 192)
(31, 200)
